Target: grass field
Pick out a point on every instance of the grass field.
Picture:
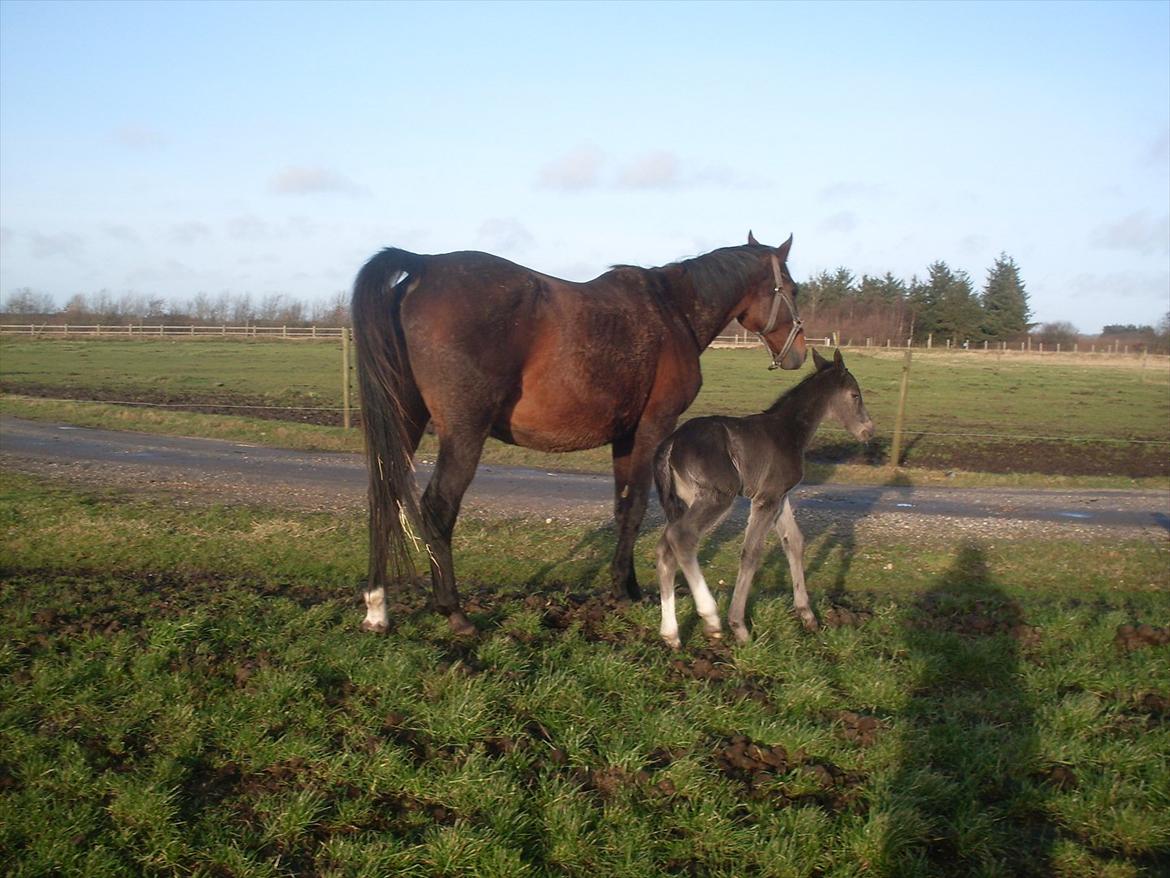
(965, 412)
(183, 691)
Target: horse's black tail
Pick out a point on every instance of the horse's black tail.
(672, 504)
(384, 378)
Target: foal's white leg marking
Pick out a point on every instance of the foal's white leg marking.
(760, 521)
(375, 610)
(793, 542)
(704, 603)
(666, 570)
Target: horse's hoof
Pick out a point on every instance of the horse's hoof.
(714, 634)
(673, 642)
(810, 622)
(461, 626)
(741, 635)
(375, 627)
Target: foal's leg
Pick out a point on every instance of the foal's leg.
(454, 470)
(793, 541)
(667, 568)
(760, 521)
(683, 538)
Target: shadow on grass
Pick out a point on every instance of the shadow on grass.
(967, 798)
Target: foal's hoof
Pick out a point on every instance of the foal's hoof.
(461, 626)
(741, 635)
(809, 622)
(375, 627)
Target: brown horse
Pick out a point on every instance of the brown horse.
(483, 347)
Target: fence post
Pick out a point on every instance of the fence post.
(345, 377)
(899, 419)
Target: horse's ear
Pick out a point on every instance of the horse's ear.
(820, 362)
(752, 238)
(838, 360)
(784, 248)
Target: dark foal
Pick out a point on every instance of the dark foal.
(705, 464)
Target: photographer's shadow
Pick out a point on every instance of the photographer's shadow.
(967, 752)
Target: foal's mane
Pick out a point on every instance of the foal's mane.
(802, 386)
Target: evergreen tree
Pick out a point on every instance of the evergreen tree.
(959, 314)
(1004, 301)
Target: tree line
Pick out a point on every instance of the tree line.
(944, 305)
(237, 309)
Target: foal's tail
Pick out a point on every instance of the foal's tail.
(672, 504)
(384, 378)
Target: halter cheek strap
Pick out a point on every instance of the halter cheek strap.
(778, 296)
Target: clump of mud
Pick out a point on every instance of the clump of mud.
(714, 665)
(1130, 638)
(845, 617)
(861, 729)
(760, 768)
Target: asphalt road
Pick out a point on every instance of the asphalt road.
(324, 480)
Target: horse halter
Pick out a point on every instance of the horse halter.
(778, 296)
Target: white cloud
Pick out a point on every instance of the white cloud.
(65, 245)
(505, 235)
(1123, 285)
(138, 137)
(120, 232)
(1158, 152)
(654, 170)
(1138, 233)
(842, 221)
(313, 181)
(580, 169)
(851, 190)
(188, 232)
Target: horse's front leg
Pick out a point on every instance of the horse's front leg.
(633, 458)
(793, 541)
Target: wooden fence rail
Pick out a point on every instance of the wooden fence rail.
(146, 330)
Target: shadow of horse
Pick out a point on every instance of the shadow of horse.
(967, 744)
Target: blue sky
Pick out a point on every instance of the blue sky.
(169, 149)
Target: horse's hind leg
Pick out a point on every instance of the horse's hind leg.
(760, 521)
(415, 421)
(683, 535)
(667, 568)
(793, 541)
(454, 470)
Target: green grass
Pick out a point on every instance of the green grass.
(185, 692)
(965, 412)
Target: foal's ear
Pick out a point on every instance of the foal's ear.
(752, 238)
(782, 250)
(838, 360)
(820, 362)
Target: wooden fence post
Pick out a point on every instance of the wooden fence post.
(345, 377)
(899, 419)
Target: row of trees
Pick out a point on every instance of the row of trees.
(236, 309)
(944, 305)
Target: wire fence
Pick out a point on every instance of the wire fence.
(725, 340)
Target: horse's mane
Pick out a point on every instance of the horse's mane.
(712, 274)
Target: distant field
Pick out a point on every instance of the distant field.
(973, 412)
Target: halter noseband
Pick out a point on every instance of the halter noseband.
(778, 296)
